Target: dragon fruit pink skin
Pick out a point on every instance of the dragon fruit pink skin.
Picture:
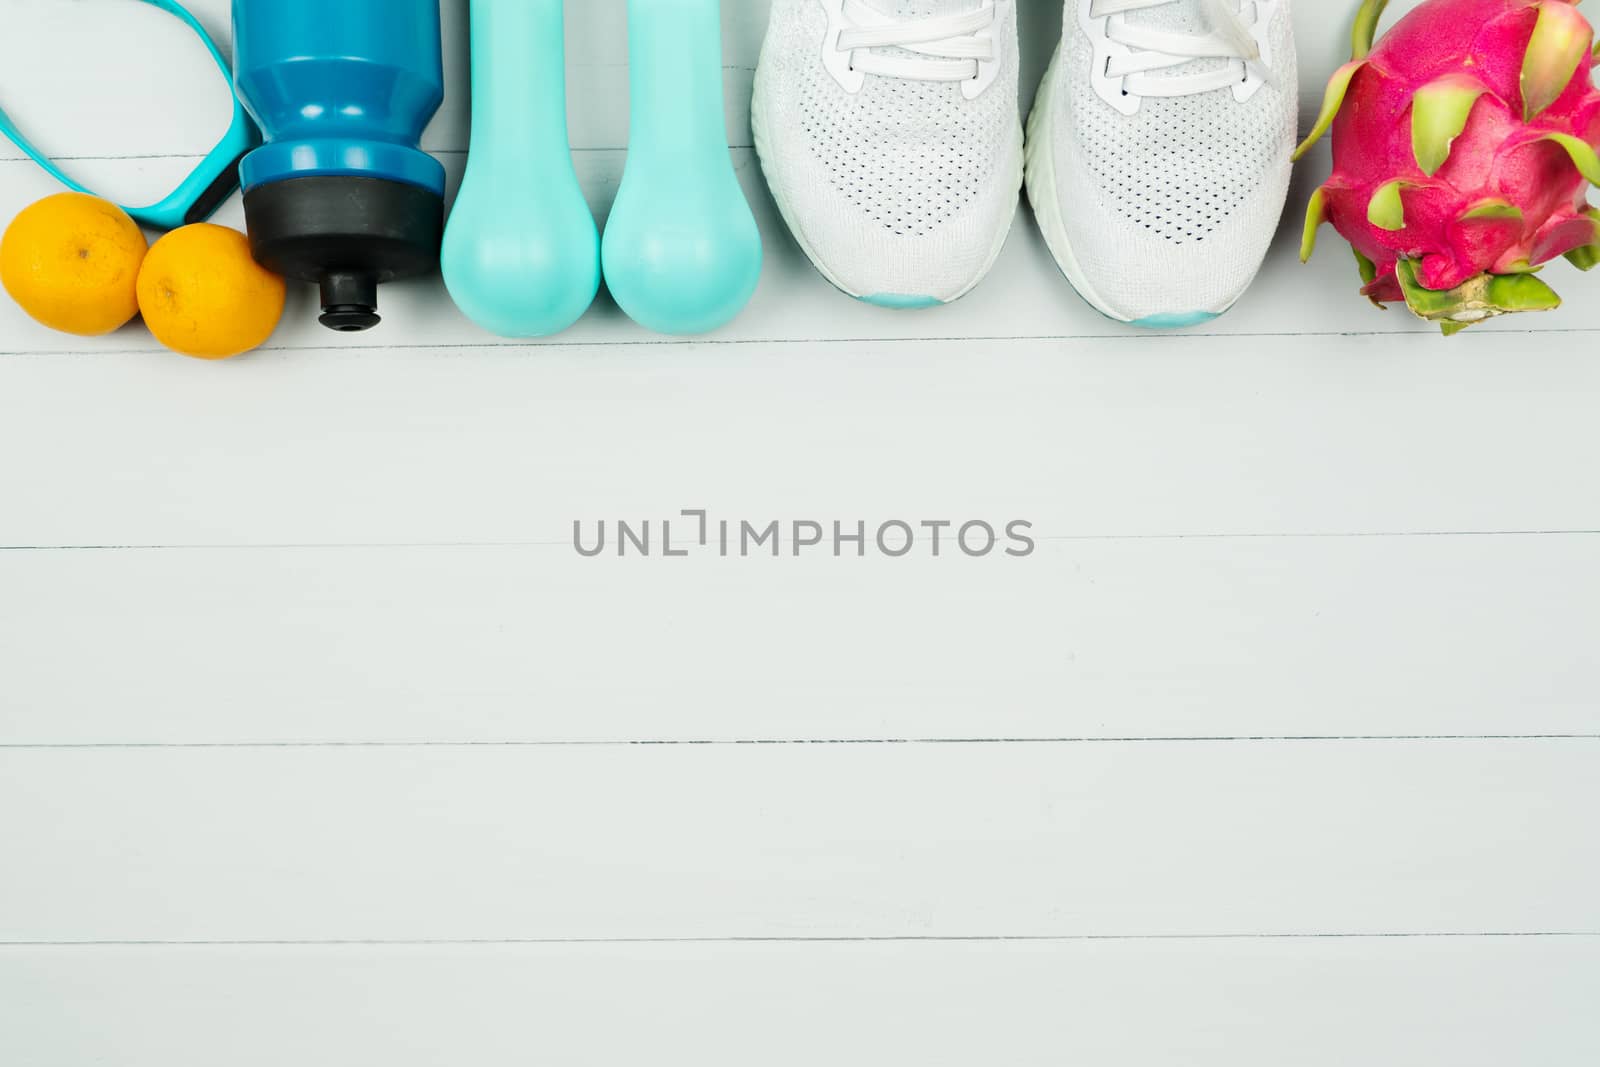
(1463, 151)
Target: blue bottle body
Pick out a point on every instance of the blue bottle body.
(340, 87)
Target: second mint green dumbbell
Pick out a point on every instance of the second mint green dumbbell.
(682, 254)
(521, 251)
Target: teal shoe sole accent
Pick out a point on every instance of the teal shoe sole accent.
(900, 301)
(1174, 320)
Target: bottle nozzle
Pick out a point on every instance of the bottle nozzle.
(349, 302)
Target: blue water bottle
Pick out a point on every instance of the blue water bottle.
(341, 194)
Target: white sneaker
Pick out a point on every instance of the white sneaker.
(1158, 152)
(889, 135)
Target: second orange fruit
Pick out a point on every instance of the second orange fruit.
(202, 294)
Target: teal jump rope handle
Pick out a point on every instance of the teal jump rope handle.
(521, 251)
(682, 252)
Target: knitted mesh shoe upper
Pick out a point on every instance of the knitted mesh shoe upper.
(905, 187)
(1172, 208)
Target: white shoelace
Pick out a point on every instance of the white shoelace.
(945, 48)
(1152, 50)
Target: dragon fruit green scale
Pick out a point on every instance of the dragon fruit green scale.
(1463, 151)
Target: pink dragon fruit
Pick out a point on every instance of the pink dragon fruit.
(1463, 152)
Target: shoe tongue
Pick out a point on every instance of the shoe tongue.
(1179, 16)
(910, 10)
(1182, 16)
(921, 9)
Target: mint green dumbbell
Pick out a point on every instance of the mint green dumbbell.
(521, 250)
(682, 253)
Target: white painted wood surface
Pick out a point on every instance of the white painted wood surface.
(838, 841)
(1098, 638)
(1311, 1002)
(320, 744)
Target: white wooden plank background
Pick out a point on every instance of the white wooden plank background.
(1316, 1003)
(1100, 638)
(319, 744)
(629, 841)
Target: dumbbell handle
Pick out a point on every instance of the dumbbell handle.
(519, 89)
(675, 75)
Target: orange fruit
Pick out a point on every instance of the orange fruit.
(71, 262)
(202, 294)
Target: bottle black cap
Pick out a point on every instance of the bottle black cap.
(347, 235)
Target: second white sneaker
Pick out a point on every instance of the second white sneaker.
(889, 135)
(1158, 152)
